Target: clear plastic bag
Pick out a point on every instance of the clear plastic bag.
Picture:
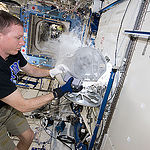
(87, 64)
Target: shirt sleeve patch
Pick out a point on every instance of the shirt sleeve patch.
(14, 70)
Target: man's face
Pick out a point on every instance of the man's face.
(11, 40)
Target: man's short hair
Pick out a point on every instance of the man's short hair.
(6, 20)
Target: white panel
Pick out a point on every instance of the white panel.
(107, 145)
(109, 25)
(130, 127)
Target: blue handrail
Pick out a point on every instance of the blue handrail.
(102, 108)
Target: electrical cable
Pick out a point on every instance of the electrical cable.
(60, 138)
(43, 142)
(118, 35)
(144, 50)
(66, 139)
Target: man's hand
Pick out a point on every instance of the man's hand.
(58, 70)
(59, 92)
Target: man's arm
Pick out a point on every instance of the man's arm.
(39, 72)
(17, 101)
(35, 71)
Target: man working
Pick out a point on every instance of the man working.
(12, 103)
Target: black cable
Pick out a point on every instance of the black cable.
(62, 104)
(56, 138)
(144, 50)
(65, 144)
(66, 139)
(120, 30)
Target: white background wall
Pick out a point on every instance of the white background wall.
(130, 126)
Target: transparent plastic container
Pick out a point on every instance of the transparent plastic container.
(87, 64)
